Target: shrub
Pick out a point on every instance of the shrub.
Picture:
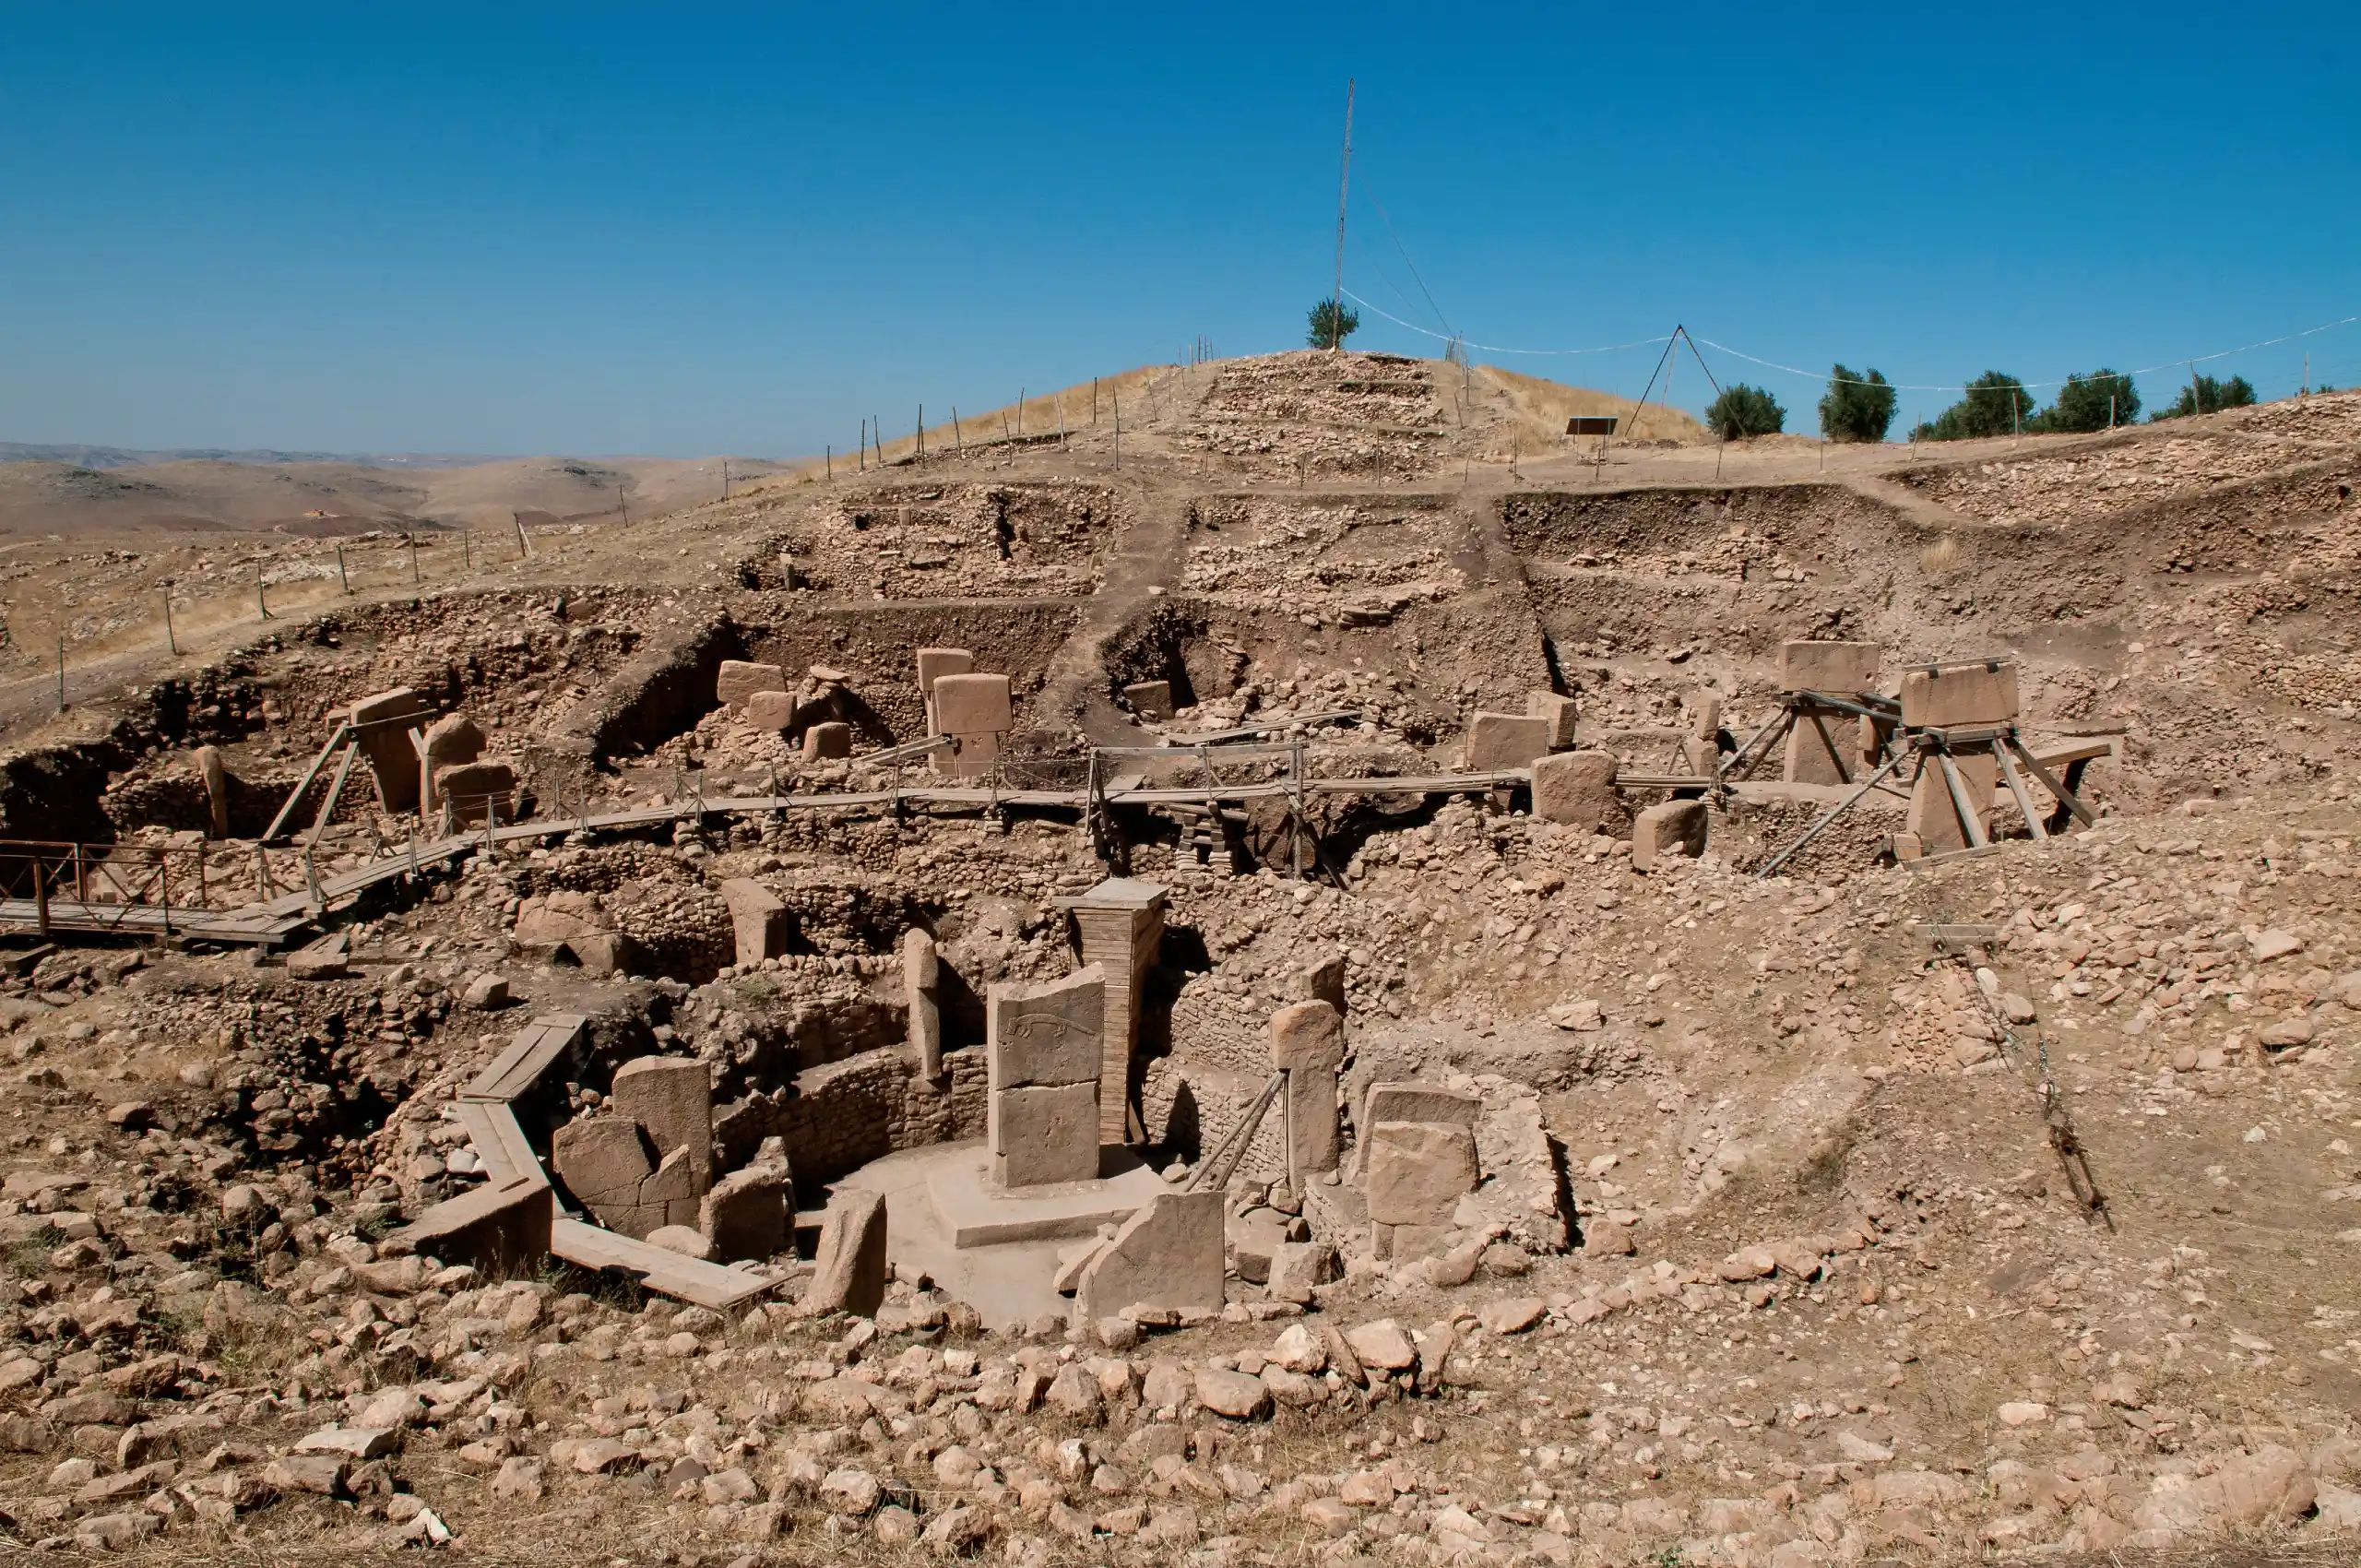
(2211, 397)
(1995, 404)
(2090, 402)
(1742, 410)
(1857, 408)
(1332, 323)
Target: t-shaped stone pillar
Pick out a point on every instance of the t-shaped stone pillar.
(1121, 922)
(1041, 1046)
(1308, 1044)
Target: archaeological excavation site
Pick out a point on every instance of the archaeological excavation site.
(1327, 972)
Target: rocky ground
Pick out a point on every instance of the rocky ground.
(1834, 1298)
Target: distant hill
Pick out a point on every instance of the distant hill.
(132, 457)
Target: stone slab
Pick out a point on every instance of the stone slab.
(1167, 1255)
(672, 1097)
(1557, 712)
(1417, 1171)
(1045, 1035)
(827, 741)
(1670, 827)
(769, 710)
(760, 923)
(1421, 1102)
(1838, 669)
(936, 662)
(1151, 700)
(1969, 694)
(1576, 788)
(1933, 816)
(849, 1275)
(973, 704)
(976, 1214)
(1506, 740)
(1044, 1135)
(739, 679)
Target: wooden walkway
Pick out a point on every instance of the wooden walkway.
(271, 920)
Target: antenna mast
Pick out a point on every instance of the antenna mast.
(1344, 173)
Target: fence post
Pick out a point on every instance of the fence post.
(41, 893)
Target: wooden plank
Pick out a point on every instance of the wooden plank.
(688, 1279)
(1970, 823)
(2058, 752)
(342, 729)
(484, 1133)
(517, 1069)
(2017, 793)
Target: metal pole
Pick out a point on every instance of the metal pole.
(1344, 185)
(261, 602)
(343, 583)
(171, 645)
(60, 671)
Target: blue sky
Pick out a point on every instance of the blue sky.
(672, 231)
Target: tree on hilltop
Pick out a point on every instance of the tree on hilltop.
(1742, 410)
(1996, 404)
(1332, 323)
(1857, 408)
(2211, 397)
(2096, 401)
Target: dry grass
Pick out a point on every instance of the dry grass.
(1546, 405)
(1940, 557)
(1039, 416)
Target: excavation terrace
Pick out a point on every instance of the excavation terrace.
(1329, 975)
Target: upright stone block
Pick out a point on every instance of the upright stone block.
(1821, 746)
(1417, 1171)
(922, 990)
(1042, 1059)
(1576, 788)
(1952, 695)
(1558, 713)
(1674, 827)
(1324, 980)
(1044, 1135)
(761, 924)
(1308, 1044)
(746, 1215)
(1505, 740)
(477, 789)
(827, 741)
(770, 711)
(383, 726)
(975, 711)
(216, 779)
(672, 1097)
(1934, 818)
(934, 664)
(604, 1162)
(1152, 700)
(1167, 1256)
(850, 1273)
(739, 679)
(451, 740)
(1838, 669)
(1120, 926)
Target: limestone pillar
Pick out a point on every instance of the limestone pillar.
(1042, 1051)
(1308, 1044)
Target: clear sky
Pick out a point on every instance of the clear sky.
(672, 231)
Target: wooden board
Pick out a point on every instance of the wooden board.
(689, 1280)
